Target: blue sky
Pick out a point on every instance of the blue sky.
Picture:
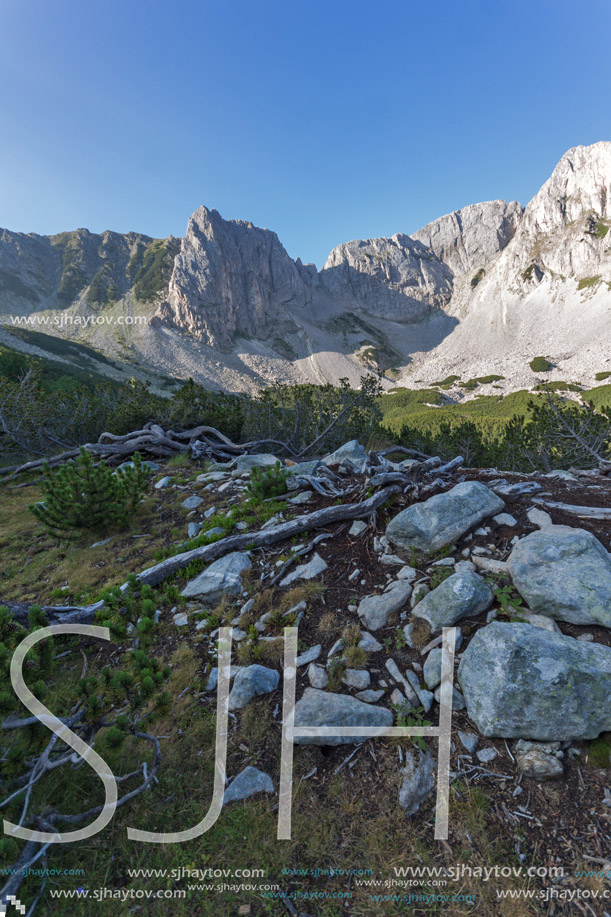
(324, 121)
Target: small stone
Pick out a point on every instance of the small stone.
(539, 517)
(407, 573)
(337, 646)
(432, 669)
(418, 780)
(223, 577)
(370, 696)
(307, 571)
(505, 519)
(303, 496)
(324, 708)
(357, 527)
(407, 633)
(357, 678)
(181, 619)
(391, 560)
(249, 782)
(193, 529)
(260, 460)
(487, 755)
(250, 682)
(317, 677)
(162, 482)
(538, 759)
(369, 643)
(460, 595)
(192, 502)
(458, 701)
(309, 655)
(465, 566)
(469, 740)
(375, 610)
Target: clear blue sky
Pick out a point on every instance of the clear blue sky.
(324, 121)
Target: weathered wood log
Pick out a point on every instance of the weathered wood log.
(57, 614)
(450, 466)
(585, 512)
(208, 553)
(390, 477)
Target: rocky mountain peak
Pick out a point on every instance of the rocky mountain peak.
(231, 277)
(396, 278)
(468, 238)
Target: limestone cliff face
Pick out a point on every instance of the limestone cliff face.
(229, 278)
(468, 239)
(562, 244)
(397, 278)
(564, 230)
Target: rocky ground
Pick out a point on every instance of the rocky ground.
(528, 586)
(519, 564)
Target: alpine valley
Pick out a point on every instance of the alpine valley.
(476, 294)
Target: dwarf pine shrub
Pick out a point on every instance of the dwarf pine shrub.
(80, 495)
(267, 482)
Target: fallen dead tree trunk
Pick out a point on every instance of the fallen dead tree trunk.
(266, 537)
(57, 614)
(82, 614)
(585, 512)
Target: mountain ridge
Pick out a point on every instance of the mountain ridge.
(477, 291)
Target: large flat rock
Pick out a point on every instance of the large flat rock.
(442, 519)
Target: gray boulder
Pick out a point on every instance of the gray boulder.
(307, 468)
(223, 577)
(251, 681)
(418, 780)
(460, 595)
(249, 782)
(520, 681)
(323, 708)
(564, 573)
(261, 460)
(352, 451)
(375, 610)
(442, 519)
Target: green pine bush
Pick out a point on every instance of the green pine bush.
(80, 495)
(267, 482)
